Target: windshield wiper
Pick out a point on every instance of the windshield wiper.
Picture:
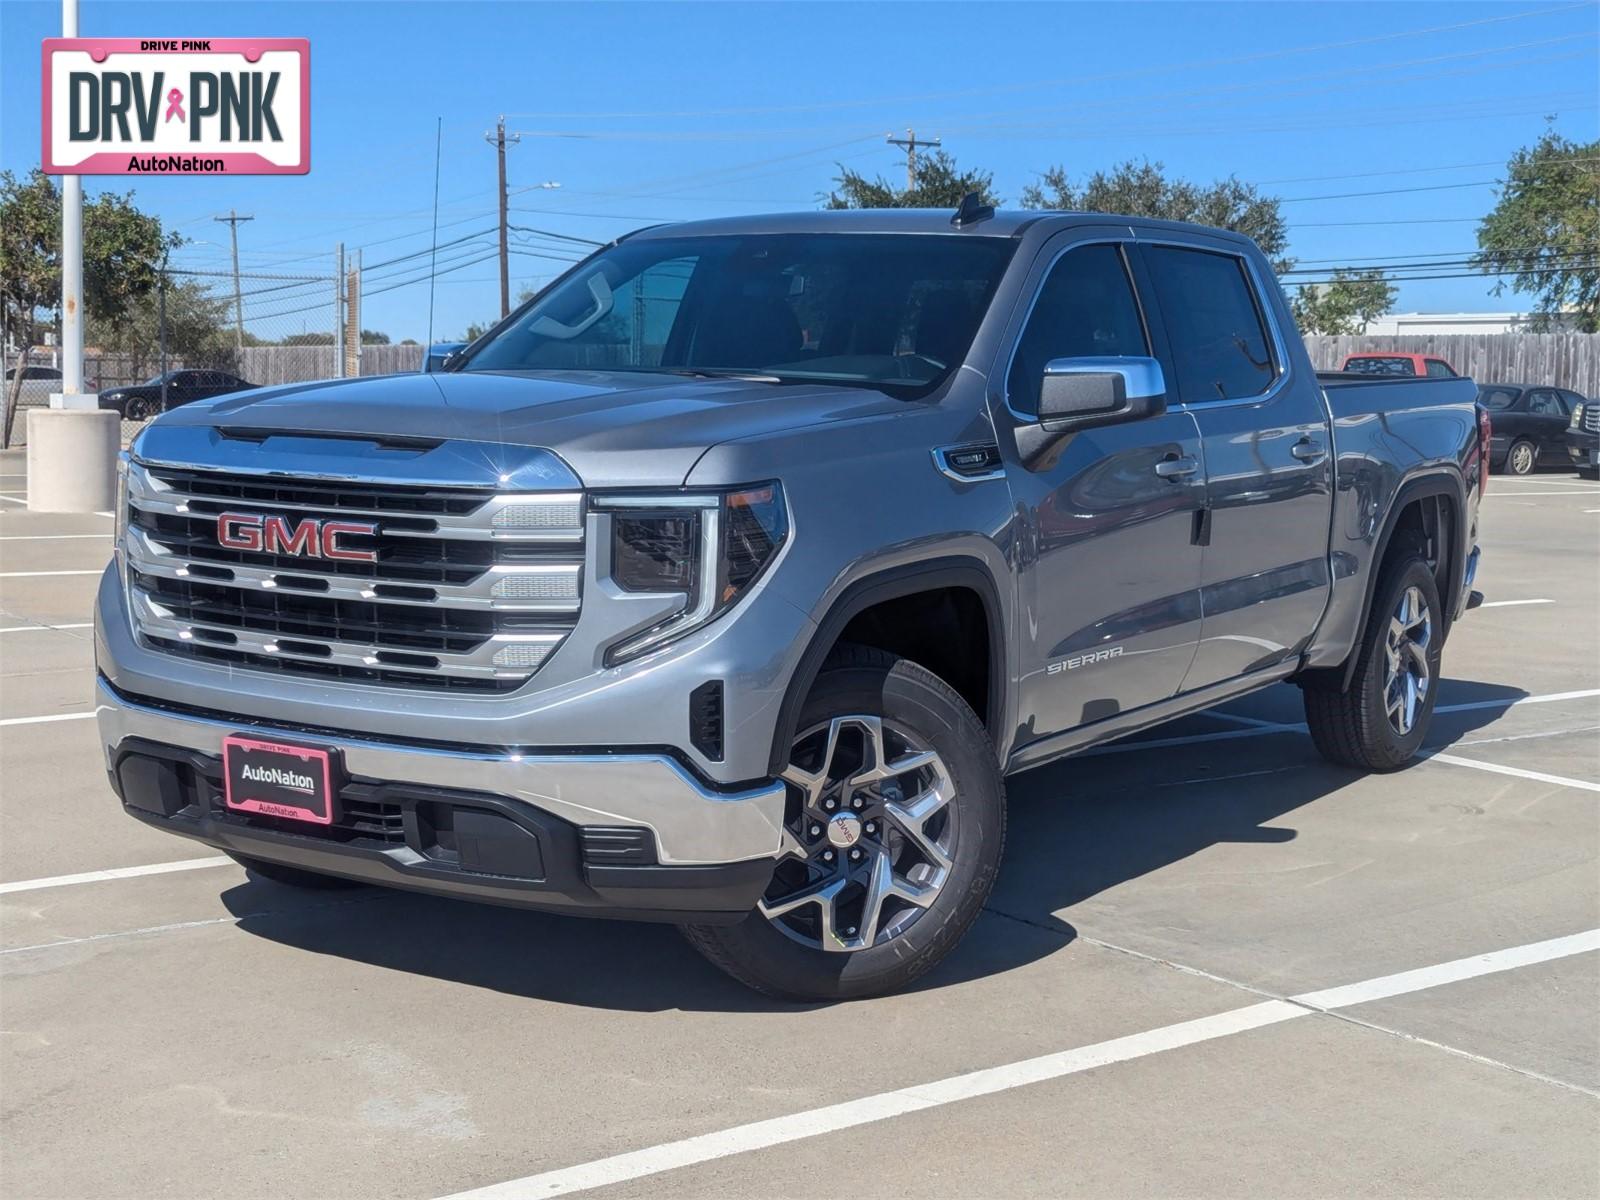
(718, 373)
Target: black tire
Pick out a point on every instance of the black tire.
(858, 680)
(1589, 473)
(1521, 458)
(141, 408)
(293, 876)
(1352, 727)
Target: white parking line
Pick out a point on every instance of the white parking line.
(1511, 603)
(760, 1135)
(47, 574)
(75, 716)
(11, 499)
(1258, 728)
(1518, 772)
(42, 628)
(51, 537)
(1573, 492)
(166, 868)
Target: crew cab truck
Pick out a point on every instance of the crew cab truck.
(726, 580)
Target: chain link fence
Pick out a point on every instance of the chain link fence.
(202, 334)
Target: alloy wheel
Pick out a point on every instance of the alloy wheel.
(1407, 676)
(1521, 458)
(871, 837)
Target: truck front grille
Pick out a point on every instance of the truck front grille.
(440, 588)
(1591, 416)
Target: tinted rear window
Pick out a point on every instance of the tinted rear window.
(1493, 397)
(1219, 343)
(1373, 365)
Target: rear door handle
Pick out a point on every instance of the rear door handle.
(1307, 451)
(1176, 468)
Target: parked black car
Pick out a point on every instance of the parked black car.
(1530, 424)
(1583, 438)
(142, 400)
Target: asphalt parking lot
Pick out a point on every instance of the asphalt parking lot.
(1213, 966)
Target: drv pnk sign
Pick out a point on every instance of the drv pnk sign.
(170, 106)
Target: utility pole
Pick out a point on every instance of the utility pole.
(498, 140)
(338, 312)
(233, 219)
(71, 262)
(909, 143)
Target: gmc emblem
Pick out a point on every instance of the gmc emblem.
(311, 538)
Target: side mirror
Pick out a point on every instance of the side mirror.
(1083, 393)
(1079, 393)
(441, 353)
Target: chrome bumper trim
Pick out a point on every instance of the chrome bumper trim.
(693, 825)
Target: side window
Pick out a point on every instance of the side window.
(1545, 404)
(1219, 342)
(1439, 369)
(1085, 309)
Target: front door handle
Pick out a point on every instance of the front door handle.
(1307, 451)
(1177, 468)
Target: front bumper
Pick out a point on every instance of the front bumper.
(1583, 448)
(622, 834)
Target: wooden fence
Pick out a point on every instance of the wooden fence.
(268, 365)
(1567, 360)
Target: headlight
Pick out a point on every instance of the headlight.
(708, 548)
(120, 511)
(1577, 415)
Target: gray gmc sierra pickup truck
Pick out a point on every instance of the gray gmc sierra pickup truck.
(725, 581)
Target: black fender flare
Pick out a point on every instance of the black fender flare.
(892, 584)
(1419, 486)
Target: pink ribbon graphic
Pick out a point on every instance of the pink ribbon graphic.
(175, 106)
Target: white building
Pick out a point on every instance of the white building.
(1392, 324)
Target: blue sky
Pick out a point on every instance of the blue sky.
(662, 111)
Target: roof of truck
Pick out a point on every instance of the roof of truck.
(1004, 223)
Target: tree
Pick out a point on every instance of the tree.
(1544, 231)
(123, 249)
(1347, 304)
(1142, 189)
(199, 330)
(939, 184)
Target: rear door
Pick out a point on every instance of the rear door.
(1108, 565)
(1548, 415)
(1267, 450)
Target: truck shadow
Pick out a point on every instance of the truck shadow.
(1077, 829)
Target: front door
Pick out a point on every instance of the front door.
(1108, 561)
(1268, 457)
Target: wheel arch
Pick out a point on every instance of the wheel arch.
(1444, 488)
(885, 587)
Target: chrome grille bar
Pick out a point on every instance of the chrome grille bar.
(455, 587)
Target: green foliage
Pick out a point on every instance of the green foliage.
(369, 337)
(122, 251)
(1143, 189)
(199, 331)
(939, 184)
(1544, 232)
(1347, 304)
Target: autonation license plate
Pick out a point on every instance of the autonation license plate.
(277, 779)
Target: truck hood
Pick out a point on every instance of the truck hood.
(613, 429)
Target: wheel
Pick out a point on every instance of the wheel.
(1379, 721)
(896, 824)
(292, 876)
(1589, 472)
(141, 408)
(1520, 459)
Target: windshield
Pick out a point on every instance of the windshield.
(1497, 397)
(876, 309)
